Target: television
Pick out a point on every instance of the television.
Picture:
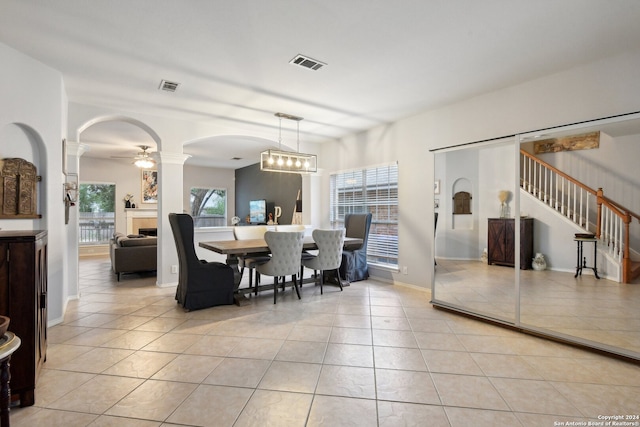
(258, 211)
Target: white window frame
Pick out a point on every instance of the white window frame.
(104, 223)
(371, 189)
(221, 222)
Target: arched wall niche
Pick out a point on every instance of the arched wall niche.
(462, 222)
(19, 140)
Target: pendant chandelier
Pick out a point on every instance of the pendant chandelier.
(288, 161)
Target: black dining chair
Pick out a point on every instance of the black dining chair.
(201, 284)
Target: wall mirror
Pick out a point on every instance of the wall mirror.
(463, 279)
(565, 181)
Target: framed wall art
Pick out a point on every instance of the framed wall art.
(149, 186)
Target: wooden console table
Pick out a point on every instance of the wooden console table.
(23, 298)
(501, 242)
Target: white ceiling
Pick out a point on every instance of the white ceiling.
(386, 59)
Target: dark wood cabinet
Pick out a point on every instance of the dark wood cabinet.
(23, 298)
(501, 245)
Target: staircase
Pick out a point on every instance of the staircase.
(590, 209)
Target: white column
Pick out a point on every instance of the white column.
(170, 182)
(312, 202)
(71, 291)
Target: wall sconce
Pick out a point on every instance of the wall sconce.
(71, 189)
(70, 194)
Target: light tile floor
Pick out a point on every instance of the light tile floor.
(602, 311)
(373, 355)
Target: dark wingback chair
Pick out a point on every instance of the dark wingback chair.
(201, 284)
(354, 260)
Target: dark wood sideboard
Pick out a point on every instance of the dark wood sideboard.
(23, 298)
(501, 243)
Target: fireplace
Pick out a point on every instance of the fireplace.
(141, 219)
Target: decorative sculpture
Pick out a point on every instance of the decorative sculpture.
(18, 193)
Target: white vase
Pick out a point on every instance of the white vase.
(539, 263)
(485, 256)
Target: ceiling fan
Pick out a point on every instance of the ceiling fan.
(143, 159)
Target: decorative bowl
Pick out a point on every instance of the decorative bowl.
(4, 325)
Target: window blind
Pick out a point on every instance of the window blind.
(374, 190)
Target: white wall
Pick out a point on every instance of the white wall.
(32, 125)
(593, 167)
(127, 179)
(33, 95)
(600, 89)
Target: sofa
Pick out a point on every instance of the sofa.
(133, 253)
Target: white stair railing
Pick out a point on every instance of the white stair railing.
(577, 202)
(559, 191)
(612, 233)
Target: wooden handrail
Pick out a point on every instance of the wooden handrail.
(622, 208)
(602, 200)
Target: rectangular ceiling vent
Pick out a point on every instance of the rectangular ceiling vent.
(306, 62)
(168, 86)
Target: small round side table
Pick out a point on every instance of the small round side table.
(9, 343)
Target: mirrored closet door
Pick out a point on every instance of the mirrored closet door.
(551, 242)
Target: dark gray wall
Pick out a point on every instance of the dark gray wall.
(278, 189)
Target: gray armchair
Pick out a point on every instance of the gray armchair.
(201, 284)
(354, 260)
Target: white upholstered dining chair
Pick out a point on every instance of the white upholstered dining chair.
(286, 248)
(251, 232)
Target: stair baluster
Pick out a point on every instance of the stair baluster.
(572, 199)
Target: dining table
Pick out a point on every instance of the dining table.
(235, 249)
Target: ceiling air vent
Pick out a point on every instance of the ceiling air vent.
(168, 86)
(306, 62)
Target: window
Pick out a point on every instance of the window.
(373, 190)
(96, 213)
(208, 207)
